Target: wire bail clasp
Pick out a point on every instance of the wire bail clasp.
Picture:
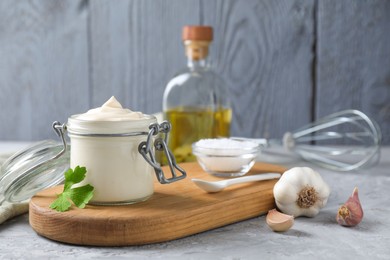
(160, 144)
(60, 130)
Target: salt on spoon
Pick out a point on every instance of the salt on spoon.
(216, 186)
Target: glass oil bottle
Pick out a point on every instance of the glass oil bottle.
(196, 101)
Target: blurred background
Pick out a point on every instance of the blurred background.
(286, 63)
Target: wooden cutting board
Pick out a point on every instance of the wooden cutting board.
(174, 211)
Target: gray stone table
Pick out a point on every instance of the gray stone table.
(310, 238)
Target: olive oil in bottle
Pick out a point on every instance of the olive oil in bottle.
(196, 101)
(192, 124)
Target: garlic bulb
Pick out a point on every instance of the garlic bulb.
(301, 191)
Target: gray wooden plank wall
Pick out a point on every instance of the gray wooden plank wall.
(353, 59)
(285, 62)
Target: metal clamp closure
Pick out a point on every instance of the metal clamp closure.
(160, 144)
(60, 130)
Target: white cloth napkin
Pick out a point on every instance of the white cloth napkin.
(10, 210)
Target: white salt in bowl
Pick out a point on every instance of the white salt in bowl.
(224, 157)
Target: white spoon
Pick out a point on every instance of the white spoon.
(215, 186)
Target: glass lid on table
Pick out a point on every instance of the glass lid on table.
(39, 166)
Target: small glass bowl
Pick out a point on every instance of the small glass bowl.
(225, 157)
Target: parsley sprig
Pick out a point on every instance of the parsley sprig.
(80, 195)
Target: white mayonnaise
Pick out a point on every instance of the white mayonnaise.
(112, 110)
(114, 166)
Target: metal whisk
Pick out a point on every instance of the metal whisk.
(342, 141)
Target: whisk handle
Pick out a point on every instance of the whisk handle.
(288, 141)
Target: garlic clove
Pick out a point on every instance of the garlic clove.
(350, 213)
(279, 222)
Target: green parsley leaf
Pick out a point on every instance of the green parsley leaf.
(80, 195)
(73, 177)
(61, 203)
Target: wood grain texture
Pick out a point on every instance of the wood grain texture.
(353, 54)
(176, 210)
(264, 51)
(43, 66)
(136, 48)
(58, 58)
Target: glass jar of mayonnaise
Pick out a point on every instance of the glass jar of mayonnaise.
(116, 147)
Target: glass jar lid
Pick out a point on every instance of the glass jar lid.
(37, 167)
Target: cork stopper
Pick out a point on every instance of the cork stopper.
(197, 33)
(196, 40)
